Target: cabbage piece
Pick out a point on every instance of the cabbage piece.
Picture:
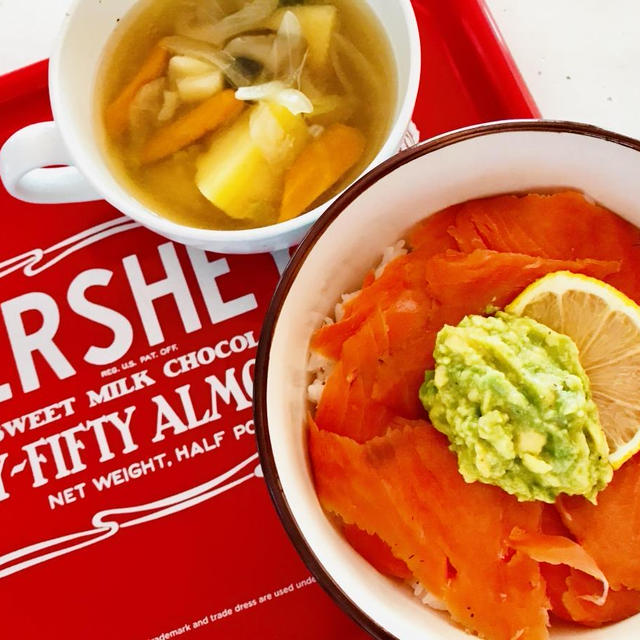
(290, 50)
(196, 13)
(308, 86)
(331, 108)
(294, 100)
(208, 11)
(260, 91)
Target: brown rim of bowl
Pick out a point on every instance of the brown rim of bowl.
(262, 360)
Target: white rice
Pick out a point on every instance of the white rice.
(344, 298)
(320, 369)
(389, 254)
(426, 597)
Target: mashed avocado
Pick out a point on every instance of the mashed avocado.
(515, 403)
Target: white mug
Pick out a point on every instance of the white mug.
(72, 139)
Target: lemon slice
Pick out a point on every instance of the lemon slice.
(605, 325)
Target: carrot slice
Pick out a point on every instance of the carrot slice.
(117, 113)
(319, 166)
(189, 128)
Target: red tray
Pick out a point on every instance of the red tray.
(191, 546)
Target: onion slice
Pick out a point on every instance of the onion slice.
(289, 49)
(344, 51)
(278, 92)
(249, 18)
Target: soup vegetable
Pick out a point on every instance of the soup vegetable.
(474, 431)
(233, 114)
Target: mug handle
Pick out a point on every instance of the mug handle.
(23, 158)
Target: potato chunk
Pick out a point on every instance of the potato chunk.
(239, 175)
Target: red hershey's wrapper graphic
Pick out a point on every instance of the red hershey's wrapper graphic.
(131, 497)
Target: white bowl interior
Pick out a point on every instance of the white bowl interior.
(504, 162)
(74, 70)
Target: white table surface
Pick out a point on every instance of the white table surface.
(580, 58)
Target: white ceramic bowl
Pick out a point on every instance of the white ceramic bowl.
(346, 242)
(73, 138)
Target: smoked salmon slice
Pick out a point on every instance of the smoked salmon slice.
(465, 283)
(619, 605)
(378, 293)
(567, 589)
(346, 405)
(376, 552)
(465, 234)
(431, 235)
(380, 369)
(610, 530)
(559, 550)
(447, 286)
(405, 488)
(347, 409)
(328, 340)
(563, 226)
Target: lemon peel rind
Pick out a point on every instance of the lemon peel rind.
(560, 282)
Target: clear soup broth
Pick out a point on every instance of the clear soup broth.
(232, 114)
